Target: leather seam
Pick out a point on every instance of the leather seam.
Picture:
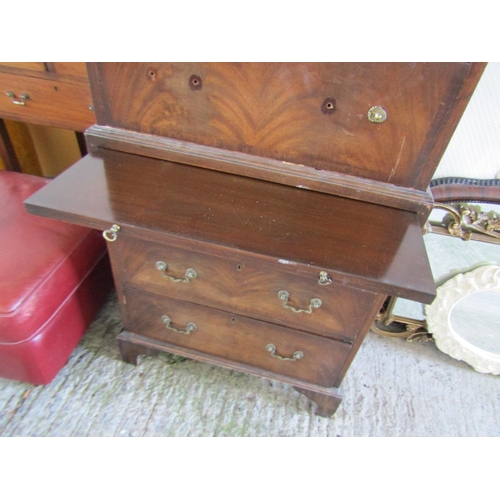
(33, 335)
(47, 278)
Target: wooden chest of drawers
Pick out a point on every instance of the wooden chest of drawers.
(259, 214)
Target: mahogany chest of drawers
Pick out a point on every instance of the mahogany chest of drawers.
(258, 214)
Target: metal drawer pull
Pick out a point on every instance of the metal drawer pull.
(314, 304)
(112, 233)
(23, 97)
(295, 356)
(190, 327)
(190, 274)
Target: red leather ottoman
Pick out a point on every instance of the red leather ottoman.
(54, 277)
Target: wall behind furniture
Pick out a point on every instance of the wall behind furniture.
(474, 150)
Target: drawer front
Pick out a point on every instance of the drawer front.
(236, 338)
(246, 286)
(76, 70)
(57, 104)
(32, 66)
(314, 114)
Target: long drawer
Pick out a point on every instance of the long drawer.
(46, 102)
(248, 286)
(373, 120)
(232, 337)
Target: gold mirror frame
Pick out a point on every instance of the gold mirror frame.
(462, 220)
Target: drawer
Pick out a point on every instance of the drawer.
(52, 103)
(236, 338)
(32, 66)
(314, 114)
(245, 285)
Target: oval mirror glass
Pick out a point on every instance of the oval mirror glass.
(476, 319)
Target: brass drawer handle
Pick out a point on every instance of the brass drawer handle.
(314, 304)
(112, 233)
(23, 97)
(377, 114)
(190, 327)
(295, 356)
(190, 274)
(324, 279)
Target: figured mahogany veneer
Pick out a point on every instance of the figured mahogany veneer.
(243, 284)
(256, 179)
(236, 338)
(275, 110)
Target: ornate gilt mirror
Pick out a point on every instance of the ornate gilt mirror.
(464, 253)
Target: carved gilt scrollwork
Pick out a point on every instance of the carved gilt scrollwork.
(455, 196)
(389, 325)
(463, 220)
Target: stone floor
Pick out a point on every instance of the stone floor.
(394, 388)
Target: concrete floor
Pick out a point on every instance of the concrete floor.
(393, 388)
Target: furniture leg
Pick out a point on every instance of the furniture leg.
(326, 405)
(130, 351)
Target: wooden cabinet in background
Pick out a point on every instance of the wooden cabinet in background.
(42, 94)
(53, 94)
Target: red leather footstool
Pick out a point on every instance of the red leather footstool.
(54, 277)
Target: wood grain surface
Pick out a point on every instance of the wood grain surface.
(246, 286)
(236, 338)
(379, 248)
(51, 103)
(277, 110)
(257, 167)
